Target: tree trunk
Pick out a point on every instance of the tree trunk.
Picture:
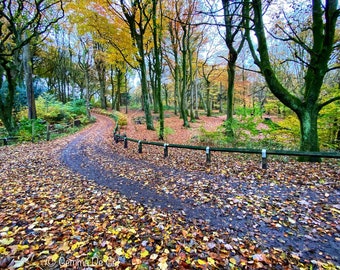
(145, 93)
(153, 83)
(126, 93)
(221, 94)
(158, 71)
(113, 100)
(176, 71)
(208, 100)
(190, 56)
(87, 81)
(101, 70)
(196, 100)
(27, 63)
(183, 101)
(309, 133)
(230, 98)
(119, 75)
(102, 90)
(7, 103)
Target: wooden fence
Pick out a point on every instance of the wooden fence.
(50, 129)
(263, 152)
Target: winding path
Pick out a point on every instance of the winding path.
(90, 153)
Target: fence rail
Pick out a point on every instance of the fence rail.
(46, 134)
(263, 152)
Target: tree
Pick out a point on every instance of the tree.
(28, 70)
(233, 22)
(183, 29)
(21, 21)
(172, 59)
(156, 33)
(315, 38)
(101, 72)
(138, 19)
(207, 71)
(84, 60)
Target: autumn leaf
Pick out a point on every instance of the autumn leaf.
(6, 241)
(144, 253)
(153, 256)
(20, 263)
(77, 245)
(54, 257)
(119, 251)
(163, 265)
(63, 213)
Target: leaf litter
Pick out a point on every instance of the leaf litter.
(228, 214)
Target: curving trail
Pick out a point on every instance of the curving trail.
(90, 154)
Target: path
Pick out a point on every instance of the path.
(90, 154)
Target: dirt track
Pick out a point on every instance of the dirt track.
(90, 154)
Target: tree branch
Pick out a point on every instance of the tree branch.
(242, 68)
(320, 106)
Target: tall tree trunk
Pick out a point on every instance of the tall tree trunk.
(230, 94)
(101, 73)
(176, 72)
(126, 93)
(221, 99)
(145, 93)
(113, 100)
(7, 101)
(183, 100)
(190, 77)
(102, 90)
(196, 99)
(208, 100)
(153, 84)
(119, 75)
(158, 70)
(27, 63)
(87, 93)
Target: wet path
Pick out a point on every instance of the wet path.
(89, 154)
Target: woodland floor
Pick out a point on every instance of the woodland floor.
(84, 201)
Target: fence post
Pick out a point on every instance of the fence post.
(264, 159)
(166, 150)
(140, 147)
(125, 142)
(208, 154)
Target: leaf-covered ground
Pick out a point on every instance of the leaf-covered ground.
(122, 210)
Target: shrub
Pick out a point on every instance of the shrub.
(49, 109)
(76, 108)
(213, 138)
(29, 129)
(167, 131)
(120, 118)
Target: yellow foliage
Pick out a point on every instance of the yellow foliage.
(121, 118)
(289, 133)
